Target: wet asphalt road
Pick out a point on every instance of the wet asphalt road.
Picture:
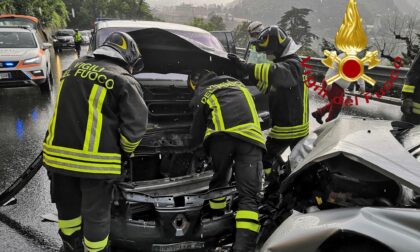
(24, 117)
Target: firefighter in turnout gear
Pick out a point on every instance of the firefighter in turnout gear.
(99, 117)
(411, 94)
(283, 81)
(226, 119)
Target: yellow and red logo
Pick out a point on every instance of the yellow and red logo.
(351, 39)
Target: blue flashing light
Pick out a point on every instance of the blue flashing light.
(9, 64)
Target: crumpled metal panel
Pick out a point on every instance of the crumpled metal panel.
(399, 229)
(368, 142)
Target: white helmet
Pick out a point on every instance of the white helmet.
(255, 28)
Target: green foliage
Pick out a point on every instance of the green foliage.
(7, 6)
(51, 12)
(215, 23)
(327, 45)
(240, 34)
(86, 11)
(295, 23)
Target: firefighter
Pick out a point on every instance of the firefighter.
(99, 118)
(254, 29)
(226, 119)
(77, 41)
(282, 80)
(411, 94)
(336, 93)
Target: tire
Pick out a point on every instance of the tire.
(47, 86)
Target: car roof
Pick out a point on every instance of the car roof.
(15, 29)
(147, 24)
(34, 19)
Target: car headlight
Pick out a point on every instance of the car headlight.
(35, 60)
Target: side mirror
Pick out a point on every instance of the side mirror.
(46, 46)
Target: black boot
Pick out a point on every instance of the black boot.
(245, 241)
(72, 243)
(317, 117)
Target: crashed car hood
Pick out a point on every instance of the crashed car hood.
(166, 52)
(18, 53)
(369, 142)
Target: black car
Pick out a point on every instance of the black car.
(163, 203)
(63, 39)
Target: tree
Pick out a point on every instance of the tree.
(241, 35)
(216, 23)
(295, 24)
(87, 11)
(200, 23)
(329, 46)
(51, 12)
(395, 28)
(6, 6)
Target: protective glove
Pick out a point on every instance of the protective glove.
(240, 63)
(407, 106)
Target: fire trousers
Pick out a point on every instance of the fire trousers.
(224, 149)
(84, 206)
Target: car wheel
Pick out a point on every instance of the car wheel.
(46, 87)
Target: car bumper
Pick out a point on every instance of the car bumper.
(64, 45)
(23, 77)
(171, 223)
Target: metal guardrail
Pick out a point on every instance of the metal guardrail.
(381, 74)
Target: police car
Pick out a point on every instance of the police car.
(24, 59)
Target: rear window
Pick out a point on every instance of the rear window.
(203, 38)
(17, 40)
(65, 33)
(17, 22)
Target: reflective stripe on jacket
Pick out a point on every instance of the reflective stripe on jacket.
(224, 104)
(288, 96)
(99, 114)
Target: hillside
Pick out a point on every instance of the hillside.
(325, 19)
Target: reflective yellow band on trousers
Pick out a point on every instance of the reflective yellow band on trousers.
(128, 146)
(246, 214)
(416, 108)
(218, 203)
(94, 122)
(248, 225)
(408, 89)
(95, 246)
(68, 227)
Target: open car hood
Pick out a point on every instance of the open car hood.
(369, 142)
(166, 52)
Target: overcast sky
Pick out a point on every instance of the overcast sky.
(154, 3)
